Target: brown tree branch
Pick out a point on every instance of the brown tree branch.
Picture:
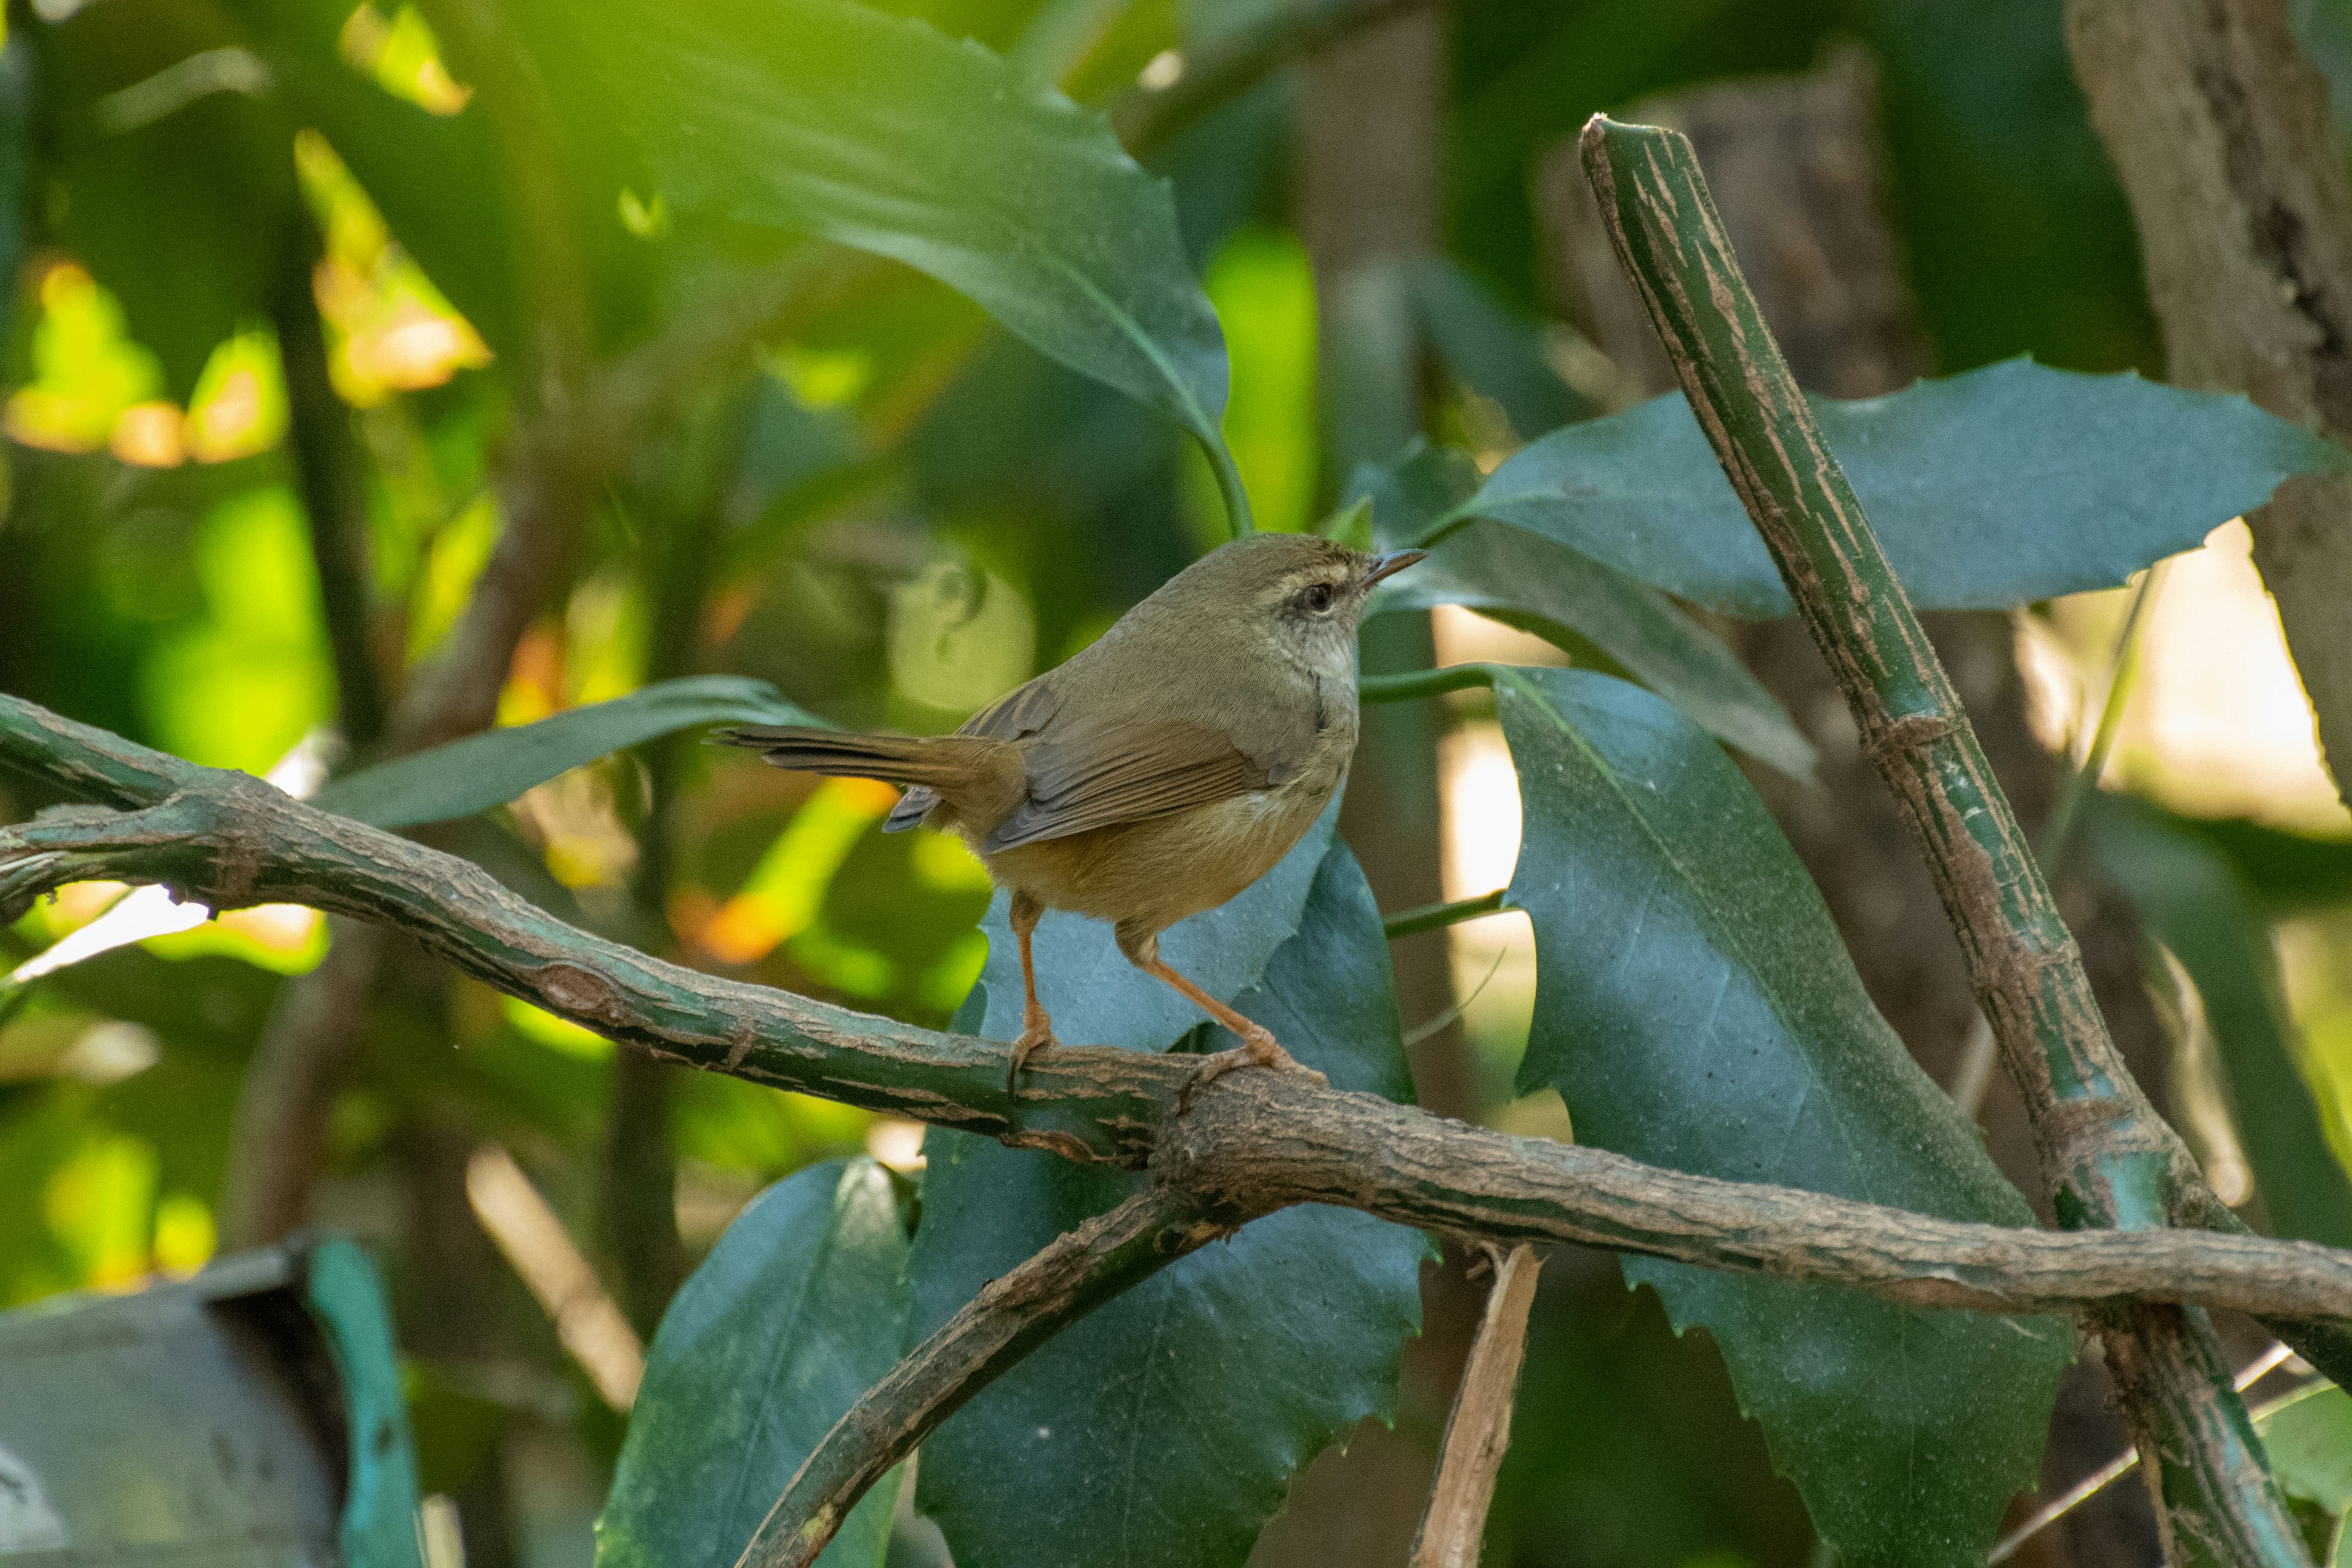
(1257, 1142)
(1012, 1315)
(2219, 125)
(1478, 1430)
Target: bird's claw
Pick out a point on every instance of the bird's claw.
(1034, 1038)
(1252, 1052)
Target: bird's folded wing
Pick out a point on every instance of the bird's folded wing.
(1102, 775)
(1022, 712)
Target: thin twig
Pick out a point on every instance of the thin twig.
(2122, 676)
(1254, 1144)
(1433, 917)
(2123, 1464)
(1478, 1428)
(1012, 1315)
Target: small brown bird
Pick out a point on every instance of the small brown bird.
(1157, 772)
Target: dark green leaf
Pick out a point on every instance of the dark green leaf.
(2285, 872)
(798, 1310)
(1540, 585)
(834, 118)
(1497, 351)
(1696, 1011)
(436, 178)
(172, 194)
(2190, 900)
(482, 771)
(2310, 1448)
(1161, 1431)
(1997, 487)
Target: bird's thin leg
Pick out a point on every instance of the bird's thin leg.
(1257, 1047)
(1037, 1028)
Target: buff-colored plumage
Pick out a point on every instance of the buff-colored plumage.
(1157, 772)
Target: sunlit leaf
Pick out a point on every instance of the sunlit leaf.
(1696, 1010)
(1995, 487)
(799, 1310)
(482, 771)
(838, 120)
(2309, 1445)
(1162, 1430)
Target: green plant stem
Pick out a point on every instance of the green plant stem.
(1255, 1143)
(1423, 683)
(1011, 1316)
(1433, 917)
(2109, 1159)
(2059, 830)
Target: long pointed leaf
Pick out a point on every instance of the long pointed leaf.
(482, 771)
(834, 118)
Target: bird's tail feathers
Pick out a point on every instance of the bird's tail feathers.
(911, 762)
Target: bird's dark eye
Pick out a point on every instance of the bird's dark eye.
(1319, 597)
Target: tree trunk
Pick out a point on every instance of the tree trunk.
(2219, 125)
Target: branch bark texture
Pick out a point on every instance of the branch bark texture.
(2109, 1159)
(1012, 1315)
(2219, 125)
(1255, 1143)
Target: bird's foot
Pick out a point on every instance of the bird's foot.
(1257, 1049)
(1033, 1038)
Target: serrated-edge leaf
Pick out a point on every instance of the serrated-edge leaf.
(1313, 1302)
(706, 1456)
(479, 771)
(1843, 1383)
(1994, 488)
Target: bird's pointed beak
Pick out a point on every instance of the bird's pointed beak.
(1390, 564)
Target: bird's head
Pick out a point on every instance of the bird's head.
(1303, 593)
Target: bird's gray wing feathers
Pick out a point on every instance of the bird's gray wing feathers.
(1022, 712)
(1100, 775)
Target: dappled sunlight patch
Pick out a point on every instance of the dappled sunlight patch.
(87, 370)
(388, 328)
(2216, 723)
(786, 889)
(401, 55)
(243, 683)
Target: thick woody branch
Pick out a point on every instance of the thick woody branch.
(1012, 1315)
(2109, 1158)
(1254, 1143)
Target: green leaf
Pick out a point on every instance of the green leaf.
(1540, 585)
(1696, 1009)
(482, 771)
(1497, 351)
(2190, 899)
(1161, 1431)
(434, 177)
(173, 176)
(2310, 1448)
(1997, 487)
(798, 1310)
(834, 118)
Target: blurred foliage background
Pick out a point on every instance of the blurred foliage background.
(267, 348)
